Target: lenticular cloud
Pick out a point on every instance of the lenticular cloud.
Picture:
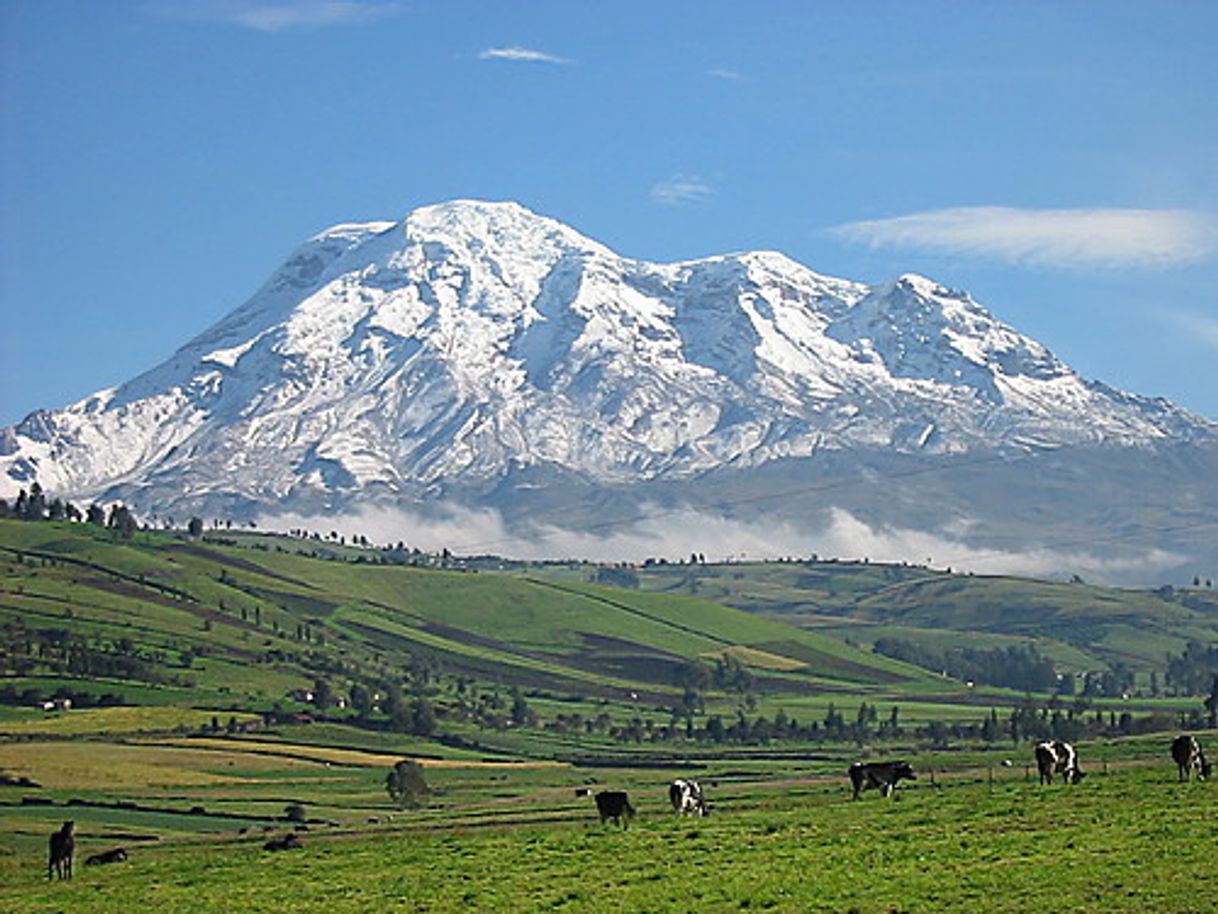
(1052, 237)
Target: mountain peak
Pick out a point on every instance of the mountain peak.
(452, 348)
(495, 224)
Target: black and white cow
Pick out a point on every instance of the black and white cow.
(615, 805)
(686, 797)
(884, 775)
(1189, 758)
(1057, 757)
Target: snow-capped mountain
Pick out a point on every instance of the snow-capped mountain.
(475, 344)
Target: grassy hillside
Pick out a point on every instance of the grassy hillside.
(258, 620)
(165, 621)
(1080, 626)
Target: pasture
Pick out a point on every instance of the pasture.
(189, 742)
(1129, 838)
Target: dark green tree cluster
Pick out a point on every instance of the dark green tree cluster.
(1115, 682)
(35, 506)
(1192, 671)
(1017, 667)
(25, 651)
(26, 696)
(406, 785)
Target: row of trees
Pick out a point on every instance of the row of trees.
(35, 506)
(27, 696)
(1027, 722)
(1194, 670)
(25, 651)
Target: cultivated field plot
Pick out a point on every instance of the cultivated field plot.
(1130, 839)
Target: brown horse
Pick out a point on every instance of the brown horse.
(63, 846)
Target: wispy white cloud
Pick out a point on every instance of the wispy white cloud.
(527, 55)
(1199, 326)
(680, 189)
(277, 15)
(724, 73)
(1051, 237)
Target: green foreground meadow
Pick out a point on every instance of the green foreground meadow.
(1126, 839)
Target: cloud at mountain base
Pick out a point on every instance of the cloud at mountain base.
(675, 535)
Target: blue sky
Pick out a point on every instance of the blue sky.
(158, 158)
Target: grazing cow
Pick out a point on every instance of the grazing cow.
(114, 855)
(63, 846)
(1189, 758)
(686, 797)
(1057, 757)
(287, 842)
(615, 805)
(883, 775)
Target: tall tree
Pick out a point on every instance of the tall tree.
(122, 520)
(323, 693)
(1211, 703)
(422, 717)
(406, 785)
(36, 509)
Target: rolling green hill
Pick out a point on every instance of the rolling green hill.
(188, 620)
(1081, 627)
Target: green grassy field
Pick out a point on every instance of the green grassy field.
(200, 755)
(1129, 839)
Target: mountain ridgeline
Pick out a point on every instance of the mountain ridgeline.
(480, 355)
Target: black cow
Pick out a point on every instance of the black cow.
(686, 797)
(62, 847)
(1057, 757)
(883, 775)
(288, 842)
(615, 805)
(114, 855)
(1189, 758)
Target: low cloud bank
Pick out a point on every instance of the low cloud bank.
(675, 535)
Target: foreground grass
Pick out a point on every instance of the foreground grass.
(1131, 841)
